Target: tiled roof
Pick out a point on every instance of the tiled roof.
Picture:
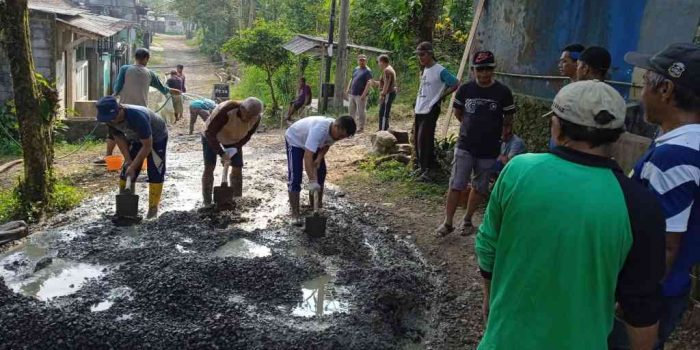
(303, 43)
(104, 26)
(60, 7)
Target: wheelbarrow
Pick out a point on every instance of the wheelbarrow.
(223, 195)
(315, 224)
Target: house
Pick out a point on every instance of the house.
(124, 9)
(78, 50)
(173, 24)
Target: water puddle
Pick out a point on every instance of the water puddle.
(320, 299)
(114, 295)
(182, 249)
(243, 248)
(102, 306)
(60, 278)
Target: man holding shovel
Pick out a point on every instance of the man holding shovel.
(230, 127)
(308, 141)
(140, 134)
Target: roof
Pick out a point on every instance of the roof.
(302, 43)
(100, 25)
(60, 7)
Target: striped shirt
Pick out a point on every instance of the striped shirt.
(671, 170)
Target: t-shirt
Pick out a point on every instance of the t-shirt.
(671, 170)
(432, 84)
(360, 77)
(174, 82)
(303, 93)
(204, 103)
(140, 123)
(482, 123)
(310, 133)
(514, 146)
(133, 82)
(565, 235)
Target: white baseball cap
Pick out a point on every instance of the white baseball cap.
(581, 103)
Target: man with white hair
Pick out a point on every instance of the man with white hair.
(230, 127)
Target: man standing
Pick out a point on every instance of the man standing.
(308, 141)
(175, 82)
(387, 91)
(566, 234)
(671, 170)
(357, 91)
(569, 61)
(200, 108)
(231, 126)
(482, 106)
(593, 64)
(133, 82)
(140, 134)
(302, 99)
(180, 74)
(436, 82)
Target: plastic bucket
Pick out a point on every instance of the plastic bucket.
(114, 163)
(144, 166)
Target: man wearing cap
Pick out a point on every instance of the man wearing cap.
(568, 61)
(670, 169)
(436, 82)
(357, 91)
(200, 108)
(594, 63)
(482, 106)
(140, 134)
(566, 235)
(176, 82)
(230, 127)
(133, 82)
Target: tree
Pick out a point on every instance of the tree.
(35, 103)
(424, 15)
(261, 46)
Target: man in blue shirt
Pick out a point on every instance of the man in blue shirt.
(671, 169)
(140, 134)
(357, 91)
(200, 108)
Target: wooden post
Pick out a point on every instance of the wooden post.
(341, 62)
(465, 57)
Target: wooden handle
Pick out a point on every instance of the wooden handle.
(224, 175)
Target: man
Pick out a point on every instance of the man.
(302, 99)
(511, 146)
(436, 83)
(387, 91)
(231, 126)
(357, 91)
(133, 82)
(140, 134)
(175, 82)
(308, 141)
(200, 108)
(180, 74)
(670, 170)
(594, 64)
(569, 61)
(566, 234)
(482, 106)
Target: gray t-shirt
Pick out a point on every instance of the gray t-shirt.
(513, 147)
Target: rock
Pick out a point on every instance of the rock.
(384, 143)
(44, 262)
(401, 136)
(405, 148)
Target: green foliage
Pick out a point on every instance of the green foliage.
(9, 130)
(9, 205)
(64, 197)
(529, 123)
(399, 180)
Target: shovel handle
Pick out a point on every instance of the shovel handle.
(316, 201)
(224, 175)
(127, 187)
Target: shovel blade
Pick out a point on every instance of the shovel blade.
(127, 205)
(223, 197)
(315, 225)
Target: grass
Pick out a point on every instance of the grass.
(65, 196)
(401, 184)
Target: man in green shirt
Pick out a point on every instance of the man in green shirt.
(567, 235)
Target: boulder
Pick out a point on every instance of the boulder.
(405, 148)
(383, 143)
(401, 136)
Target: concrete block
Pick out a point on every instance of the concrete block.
(85, 109)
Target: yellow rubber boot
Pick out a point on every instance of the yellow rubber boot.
(154, 193)
(122, 185)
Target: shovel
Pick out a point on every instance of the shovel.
(223, 195)
(316, 222)
(127, 203)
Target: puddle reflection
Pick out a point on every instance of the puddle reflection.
(320, 298)
(243, 248)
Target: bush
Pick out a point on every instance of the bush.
(63, 198)
(529, 123)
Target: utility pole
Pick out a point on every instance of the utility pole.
(341, 62)
(326, 92)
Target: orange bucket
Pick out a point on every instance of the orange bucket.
(114, 163)
(144, 166)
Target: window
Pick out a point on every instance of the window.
(172, 23)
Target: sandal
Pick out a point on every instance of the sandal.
(444, 230)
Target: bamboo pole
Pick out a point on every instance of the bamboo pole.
(465, 57)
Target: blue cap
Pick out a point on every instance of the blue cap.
(107, 108)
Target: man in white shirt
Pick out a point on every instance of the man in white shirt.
(308, 141)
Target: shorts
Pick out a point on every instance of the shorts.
(295, 168)
(297, 104)
(210, 156)
(177, 104)
(155, 160)
(466, 168)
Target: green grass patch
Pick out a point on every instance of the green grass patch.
(396, 178)
(65, 197)
(62, 149)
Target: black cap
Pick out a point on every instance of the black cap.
(483, 59)
(679, 63)
(424, 46)
(597, 57)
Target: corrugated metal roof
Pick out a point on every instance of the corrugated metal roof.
(60, 7)
(303, 43)
(104, 26)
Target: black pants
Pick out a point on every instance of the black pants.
(424, 136)
(385, 111)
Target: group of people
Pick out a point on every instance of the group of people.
(573, 253)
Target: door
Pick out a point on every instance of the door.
(81, 81)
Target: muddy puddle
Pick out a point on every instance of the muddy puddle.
(243, 248)
(320, 298)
